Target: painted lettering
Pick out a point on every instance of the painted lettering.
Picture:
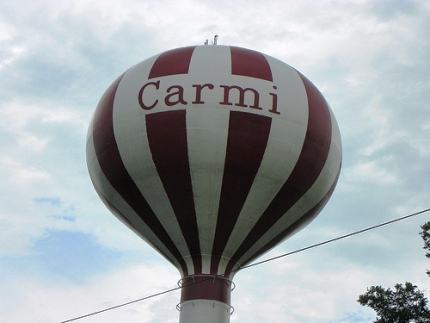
(242, 92)
(274, 96)
(141, 103)
(199, 87)
(176, 94)
(179, 94)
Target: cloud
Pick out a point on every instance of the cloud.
(302, 297)
(55, 299)
(63, 254)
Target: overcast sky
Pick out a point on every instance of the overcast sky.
(62, 254)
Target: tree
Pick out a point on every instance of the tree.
(425, 234)
(404, 304)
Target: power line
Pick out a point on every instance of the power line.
(121, 305)
(255, 264)
(336, 239)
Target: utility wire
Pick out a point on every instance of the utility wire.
(336, 239)
(121, 305)
(138, 300)
(254, 264)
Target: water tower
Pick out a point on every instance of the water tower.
(213, 155)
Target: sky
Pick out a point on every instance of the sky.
(63, 255)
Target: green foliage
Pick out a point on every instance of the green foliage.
(404, 304)
(425, 234)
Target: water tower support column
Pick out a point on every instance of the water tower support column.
(205, 298)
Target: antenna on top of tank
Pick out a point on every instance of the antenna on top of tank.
(215, 42)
